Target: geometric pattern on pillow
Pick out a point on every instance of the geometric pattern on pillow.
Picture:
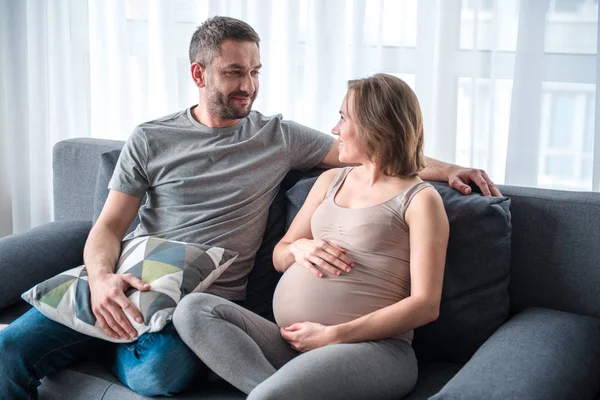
(173, 269)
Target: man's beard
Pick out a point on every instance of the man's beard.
(218, 104)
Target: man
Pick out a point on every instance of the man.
(210, 173)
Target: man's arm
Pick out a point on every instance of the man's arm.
(101, 253)
(457, 177)
(331, 159)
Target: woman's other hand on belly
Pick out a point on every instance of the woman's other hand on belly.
(320, 256)
(305, 336)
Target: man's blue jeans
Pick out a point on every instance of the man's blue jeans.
(34, 346)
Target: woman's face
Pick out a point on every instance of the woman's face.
(347, 130)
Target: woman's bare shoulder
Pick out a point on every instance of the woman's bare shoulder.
(425, 203)
(329, 175)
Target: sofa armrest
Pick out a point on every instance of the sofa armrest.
(38, 254)
(538, 354)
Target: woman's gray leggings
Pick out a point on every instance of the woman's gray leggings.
(247, 351)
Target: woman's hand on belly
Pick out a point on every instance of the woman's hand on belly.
(305, 336)
(320, 256)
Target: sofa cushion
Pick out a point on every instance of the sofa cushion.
(173, 269)
(296, 196)
(298, 190)
(538, 354)
(264, 277)
(475, 299)
(30, 257)
(108, 161)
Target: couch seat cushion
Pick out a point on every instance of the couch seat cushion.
(90, 380)
(432, 377)
(538, 354)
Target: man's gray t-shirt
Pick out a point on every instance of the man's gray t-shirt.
(214, 186)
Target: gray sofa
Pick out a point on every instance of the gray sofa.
(520, 314)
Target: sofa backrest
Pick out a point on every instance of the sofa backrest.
(555, 234)
(75, 168)
(555, 250)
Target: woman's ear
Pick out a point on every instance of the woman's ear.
(198, 74)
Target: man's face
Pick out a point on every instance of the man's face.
(232, 80)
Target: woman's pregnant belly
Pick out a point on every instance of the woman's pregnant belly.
(301, 296)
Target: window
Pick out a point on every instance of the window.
(480, 24)
(464, 78)
(569, 6)
(588, 147)
(571, 26)
(482, 5)
(563, 114)
(560, 166)
(567, 136)
(483, 110)
(408, 78)
(590, 125)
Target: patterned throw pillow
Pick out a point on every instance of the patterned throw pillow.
(173, 269)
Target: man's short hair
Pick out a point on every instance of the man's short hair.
(388, 116)
(207, 39)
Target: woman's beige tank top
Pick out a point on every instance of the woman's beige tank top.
(376, 239)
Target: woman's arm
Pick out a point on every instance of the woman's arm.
(297, 245)
(428, 225)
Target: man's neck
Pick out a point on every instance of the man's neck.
(206, 118)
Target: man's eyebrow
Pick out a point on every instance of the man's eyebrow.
(234, 66)
(239, 66)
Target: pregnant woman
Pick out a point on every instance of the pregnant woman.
(362, 263)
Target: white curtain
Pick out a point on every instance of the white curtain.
(505, 85)
(44, 98)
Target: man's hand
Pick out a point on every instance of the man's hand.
(460, 177)
(321, 256)
(109, 303)
(307, 336)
